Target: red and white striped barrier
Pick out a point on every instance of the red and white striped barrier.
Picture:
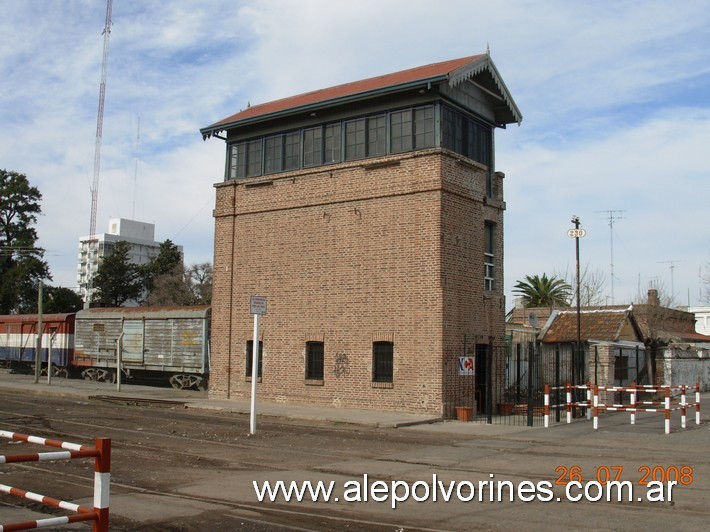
(593, 404)
(102, 475)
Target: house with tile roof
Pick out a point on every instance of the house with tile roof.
(644, 343)
(370, 215)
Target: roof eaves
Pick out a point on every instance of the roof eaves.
(314, 106)
(477, 66)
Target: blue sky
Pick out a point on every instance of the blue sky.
(615, 97)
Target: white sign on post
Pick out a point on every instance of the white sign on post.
(257, 307)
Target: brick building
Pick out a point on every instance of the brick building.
(371, 216)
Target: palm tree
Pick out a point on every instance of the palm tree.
(544, 292)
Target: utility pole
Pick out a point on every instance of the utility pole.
(577, 233)
(612, 216)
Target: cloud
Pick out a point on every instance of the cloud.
(614, 97)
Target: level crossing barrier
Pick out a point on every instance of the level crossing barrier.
(101, 453)
(594, 406)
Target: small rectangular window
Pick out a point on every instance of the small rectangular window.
(376, 140)
(273, 154)
(249, 356)
(254, 158)
(382, 361)
(331, 144)
(314, 360)
(313, 146)
(401, 131)
(292, 145)
(355, 139)
(489, 257)
(237, 160)
(424, 127)
(621, 369)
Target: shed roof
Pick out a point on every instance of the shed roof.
(454, 71)
(594, 324)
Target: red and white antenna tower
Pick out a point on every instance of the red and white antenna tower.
(97, 150)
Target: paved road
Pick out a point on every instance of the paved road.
(177, 468)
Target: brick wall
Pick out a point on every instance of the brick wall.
(382, 249)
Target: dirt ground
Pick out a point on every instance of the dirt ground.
(178, 469)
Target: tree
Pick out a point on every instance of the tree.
(165, 262)
(543, 291)
(171, 289)
(183, 286)
(22, 264)
(199, 278)
(591, 286)
(58, 299)
(117, 280)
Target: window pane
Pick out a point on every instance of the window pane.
(424, 127)
(237, 161)
(355, 139)
(312, 146)
(382, 361)
(292, 144)
(447, 128)
(489, 257)
(254, 158)
(249, 356)
(273, 156)
(401, 131)
(332, 144)
(314, 360)
(376, 142)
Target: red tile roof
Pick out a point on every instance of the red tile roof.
(594, 325)
(432, 72)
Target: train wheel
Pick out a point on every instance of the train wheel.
(90, 374)
(183, 382)
(109, 376)
(62, 373)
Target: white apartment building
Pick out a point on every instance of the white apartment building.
(140, 235)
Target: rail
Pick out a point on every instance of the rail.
(99, 514)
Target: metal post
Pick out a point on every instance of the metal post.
(119, 360)
(530, 385)
(489, 382)
(38, 348)
(49, 357)
(557, 383)
(254, 373)
(102, 483)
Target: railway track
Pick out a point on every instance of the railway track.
(159, 449)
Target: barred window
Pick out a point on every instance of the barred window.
(314, 360)
(382, 361)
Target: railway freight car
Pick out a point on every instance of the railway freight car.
(18, 342)
(167, 343)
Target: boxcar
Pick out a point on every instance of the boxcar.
(18, 342)
(167, 343)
